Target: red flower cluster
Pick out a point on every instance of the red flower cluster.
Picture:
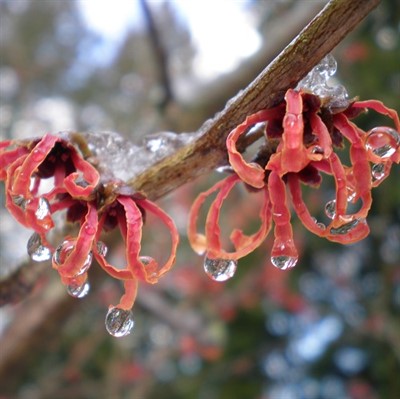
(306, 130)
(51, 174)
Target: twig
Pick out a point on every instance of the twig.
(19, 284)
(161, 58)
(324, 32)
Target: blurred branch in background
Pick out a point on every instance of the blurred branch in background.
(160, 56)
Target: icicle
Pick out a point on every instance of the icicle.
(317, 82)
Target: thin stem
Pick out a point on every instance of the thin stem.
(161, 58)
(318, 38)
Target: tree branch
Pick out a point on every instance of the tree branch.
(318, 38)
(161, 58)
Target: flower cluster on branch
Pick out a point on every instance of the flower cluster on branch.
(48, 175)
(306, 130)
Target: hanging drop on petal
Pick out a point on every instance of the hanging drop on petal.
(101, 248)
(382, 142)
(345, 228)
(78, 290)
(119, 322)
(330, 209)
(220, 269)
(378, 171)
(63, 250)
(284, 262)
(36, 250)
(19, 200)
(43, 209)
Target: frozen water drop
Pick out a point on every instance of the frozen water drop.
(345, 228)
(90, 229)
(81, 182)
(317, 83)
(220, 269)
(382, 141)
(330, 209)
(162, 144)
(284, 262)
(151, 267)
(63, 251)
(36, 250)
(319, 224)
(78, 291)
(101, 248)
(327, 66)
(43, 209)
(317, 150)
(224, 169)
(19, 200)
(146, 260)
(378, 171)
(37, 154)
(351, 194)
(119, 322)
(154, 144)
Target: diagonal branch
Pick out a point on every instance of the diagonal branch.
(318, 38)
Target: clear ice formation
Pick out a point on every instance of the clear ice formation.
(318, 79)
(125, 160)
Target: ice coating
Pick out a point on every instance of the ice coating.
(125, 159)
(317, 82)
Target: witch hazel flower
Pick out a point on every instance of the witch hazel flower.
(57, 173)
(302, 137)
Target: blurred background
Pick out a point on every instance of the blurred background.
(328, 329)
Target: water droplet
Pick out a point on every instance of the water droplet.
(327, 66)
(37, 154)
(224, 169)
(284, 262)
(36, 250)
(317, 150)
(319, 224)
(351, 194)
(330, 209)
(220, 269)
(63, 250)
(81, 182)
(43, 209)
(146, 260)
(345, 228)
(382, 141)
(19, 200)
(119, 322)
(151, 267)
(378, 171)
(90, 229)
(78, 291)
(101, 248)
(317, 80)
